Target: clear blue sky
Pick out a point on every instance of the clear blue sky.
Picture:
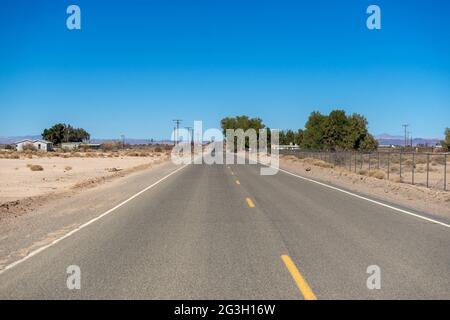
(136, 65)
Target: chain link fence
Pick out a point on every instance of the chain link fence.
(430, 170)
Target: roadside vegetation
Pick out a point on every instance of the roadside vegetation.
(446, 142)
(35, 167)
(65, 133)
(107, 150)
(336, 131)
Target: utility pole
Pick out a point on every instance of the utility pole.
(174, 133)
(406, 133)
(177, 122)
(190, 129)
(123, 141)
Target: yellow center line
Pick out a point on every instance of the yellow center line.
(237, 182)
(303, 286)
(250, 203)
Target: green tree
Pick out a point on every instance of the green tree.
(298, 137)
(65, 133)
(282, 137)
(242, 122)
(337, 131)
(446, 142)
(314, 133)
(369, 143)
(55, 134)
(359, 136)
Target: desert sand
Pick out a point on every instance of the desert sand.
(19, 181)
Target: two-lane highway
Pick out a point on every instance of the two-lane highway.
(225, 232)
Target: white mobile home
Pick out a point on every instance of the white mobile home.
(38, 145)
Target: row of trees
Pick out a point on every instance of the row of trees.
(241, 122)
(65, 133)
(335, 131)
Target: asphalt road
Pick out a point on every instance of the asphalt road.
(226, 232)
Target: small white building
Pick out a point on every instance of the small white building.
(286, 147)
(38, 145)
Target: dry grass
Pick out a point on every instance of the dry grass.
(110, 151)
(362, 172)
(379, 174)
(396, 179)
(318, 163)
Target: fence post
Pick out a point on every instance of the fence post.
(370, 156)
(350, 158)
(355, 161)
(378, 156)
(445, 172)
(428, 169)
(413, 166)
(400, 166)
(389, 165)
(362, 160)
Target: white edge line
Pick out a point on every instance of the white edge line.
(364, 198)
(84, 225)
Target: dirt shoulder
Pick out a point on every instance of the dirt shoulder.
(419, 198)
(28, 183)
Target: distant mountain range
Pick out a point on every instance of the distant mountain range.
(386, 139)
(11, 140)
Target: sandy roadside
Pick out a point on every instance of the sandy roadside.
(432, 201)
(22, 189)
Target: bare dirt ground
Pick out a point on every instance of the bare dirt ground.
(31, 180)
(433, 201)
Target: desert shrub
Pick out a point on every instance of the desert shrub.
(407, 162)
(158, 149)
(395, 169)
(35, 167)
(377, 174)
(68, 168)
(111, 146)
(11, 156)
(362, 172)
(421, 160)
(132, 154)
(438, 160)
(320, 163)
